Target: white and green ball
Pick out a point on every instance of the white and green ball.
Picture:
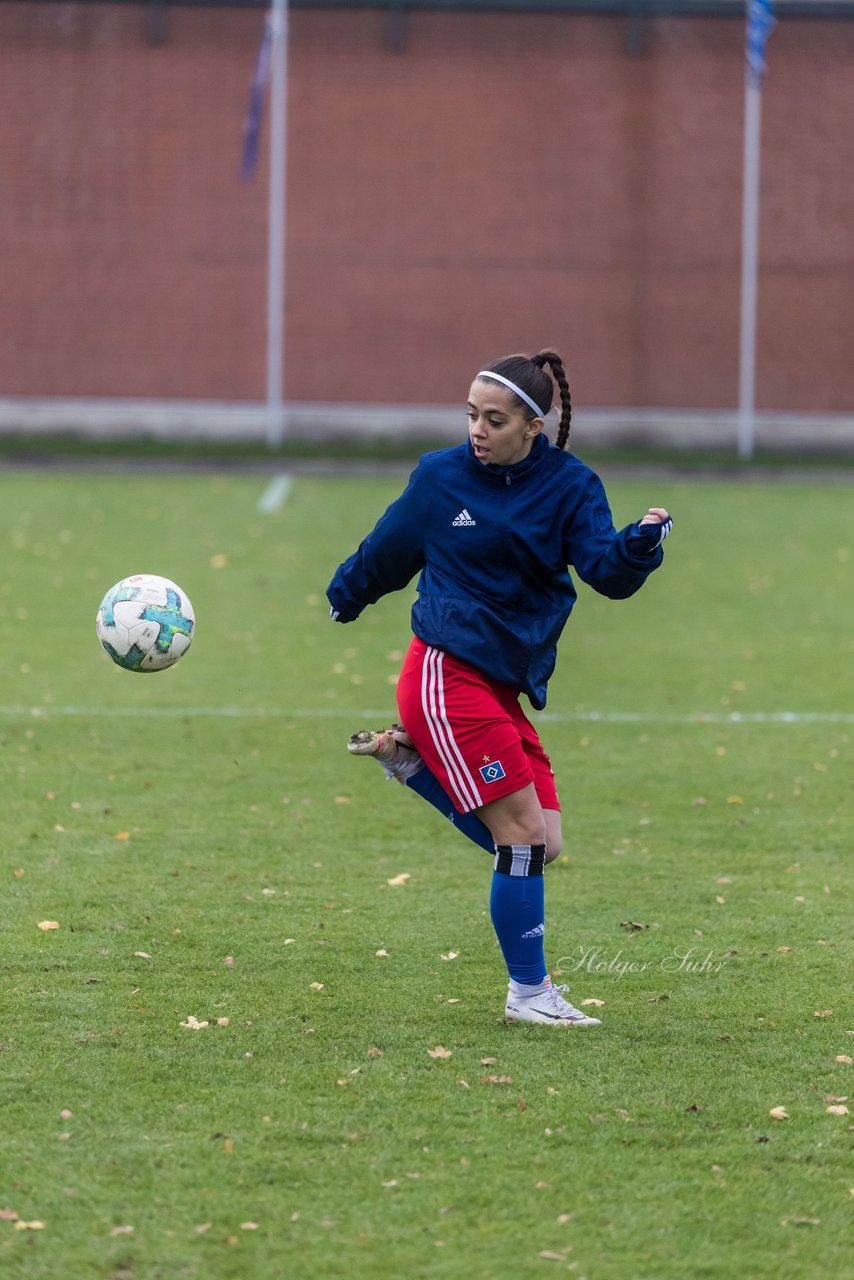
(145, 622)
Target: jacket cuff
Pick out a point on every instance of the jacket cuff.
(342, 608)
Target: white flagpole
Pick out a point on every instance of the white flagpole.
(760, 24)
(749, 270)
(276, 223)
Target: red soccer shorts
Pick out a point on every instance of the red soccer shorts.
(470, 731)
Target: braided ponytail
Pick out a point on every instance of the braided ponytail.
(555, 362)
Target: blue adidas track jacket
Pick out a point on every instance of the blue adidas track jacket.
(492, 545)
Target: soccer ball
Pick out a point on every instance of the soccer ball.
(145, 622)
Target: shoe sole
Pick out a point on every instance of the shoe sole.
(366, 743)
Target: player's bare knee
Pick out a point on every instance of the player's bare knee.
(515, 818)
(554, 834)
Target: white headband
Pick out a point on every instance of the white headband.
(485, 373)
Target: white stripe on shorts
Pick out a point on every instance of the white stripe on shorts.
(433, 706)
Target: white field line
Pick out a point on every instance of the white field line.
(368, 716)
(276, 494)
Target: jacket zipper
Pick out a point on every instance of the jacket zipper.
(518, 599)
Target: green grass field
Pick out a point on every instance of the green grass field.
(210, 852)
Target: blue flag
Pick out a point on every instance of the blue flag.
(760, 24)
(252, 127)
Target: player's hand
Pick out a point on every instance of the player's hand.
(650, 531)
(657, 515)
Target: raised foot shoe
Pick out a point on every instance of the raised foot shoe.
(392, 748)
(548, 1006)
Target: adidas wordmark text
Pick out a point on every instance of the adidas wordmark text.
(463, 518)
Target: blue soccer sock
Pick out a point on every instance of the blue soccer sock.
(427, 785)
(516, 905)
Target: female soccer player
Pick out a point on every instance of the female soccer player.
(491, 525)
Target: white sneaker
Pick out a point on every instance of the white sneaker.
(548, 1006)
(392, 748)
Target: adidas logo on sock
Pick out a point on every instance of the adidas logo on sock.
(463, 518)
(535, 933)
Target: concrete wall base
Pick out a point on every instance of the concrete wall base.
(103, 419)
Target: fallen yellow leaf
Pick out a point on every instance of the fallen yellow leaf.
(778, 1113)
(48, 924)
(122, 835)
(439, 1052)
(597, 1004)
(825, 1013)
(843, 1057)
(397, 881)
(316, 986)
(840, 1110)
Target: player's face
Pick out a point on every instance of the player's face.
(499, 431)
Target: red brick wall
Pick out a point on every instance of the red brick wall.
(504, 183)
